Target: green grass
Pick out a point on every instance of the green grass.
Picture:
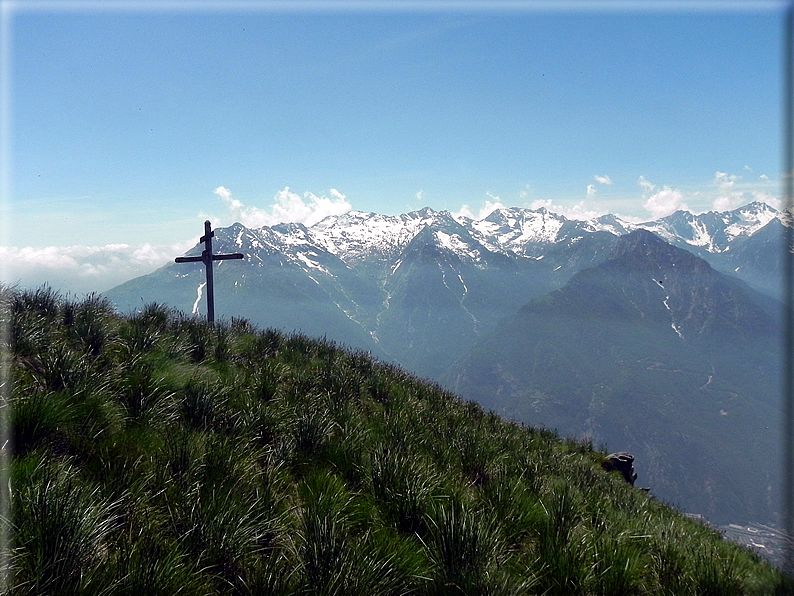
(154, 454)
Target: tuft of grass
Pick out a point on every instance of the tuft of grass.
(465, 546)
(90, 324)
(513, 502)
(196, 336)
(313, 433)
(153, 566)
(60, 368)
(43, 301)
(562, 551)
(405, 484)
(61, 532)
(142, 393)
(40, 419)
(202, 405)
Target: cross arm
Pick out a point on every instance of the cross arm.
(234, 255)
(188, 259)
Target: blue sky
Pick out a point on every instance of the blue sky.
(130, 126)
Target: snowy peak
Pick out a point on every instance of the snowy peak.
(609, 223)
(514, 229)
(357, 236)
(713, 231)
(747, 220)
(706, 230)
(450, 237)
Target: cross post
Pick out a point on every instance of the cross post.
(207, 258)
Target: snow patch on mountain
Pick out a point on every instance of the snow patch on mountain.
(515, 228)
(712, 231)
(357, 235)
(311, 264)
(750, 220)
(702, 237)
(199, 292)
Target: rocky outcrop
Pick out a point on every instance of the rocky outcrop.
(621, 462)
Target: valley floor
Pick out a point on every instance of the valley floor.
(768, 541)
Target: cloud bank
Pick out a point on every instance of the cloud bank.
(728, 197)
(288, 207)
(725, 192)
(665, 202)
(84, 269)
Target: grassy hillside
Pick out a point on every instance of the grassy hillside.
(157, 455)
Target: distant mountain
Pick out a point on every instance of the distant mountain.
(746, 242)
(656, 352)
(421, 287)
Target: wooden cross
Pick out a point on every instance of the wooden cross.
(207, 258)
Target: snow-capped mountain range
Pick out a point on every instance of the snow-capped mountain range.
(513, 231)
(741, 242)
(383, 283)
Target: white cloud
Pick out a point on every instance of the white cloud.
(645, 185)
(525, 192)
(591, 191)
(747, 168)
(580, 211)
(727, 203)
(764, 177)
(728, 196)
(725, 192)
(725, 181)
(289, 207)
(664, 202)
(489, 207)
(603, 180)
(226, 195)
(420, 195)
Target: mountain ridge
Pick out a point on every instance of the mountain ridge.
(518, 231)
